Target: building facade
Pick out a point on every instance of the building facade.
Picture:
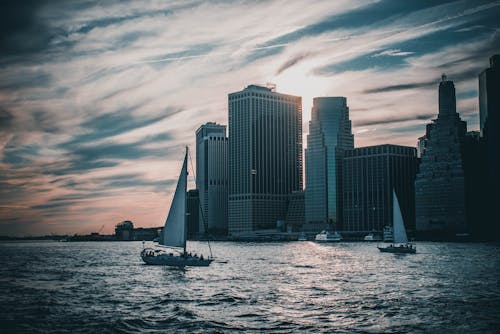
(440, 182)
(124, 230)
(295, 213)
(489, 112)
(193, 213)
(212, 177)
(370, 174)
(329, 136)
(265, 156)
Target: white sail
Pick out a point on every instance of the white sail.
(174, 231)
(398, 225)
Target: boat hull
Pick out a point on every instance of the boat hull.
(164, 259)
(327, 240)
(326, 236)
(397, 250)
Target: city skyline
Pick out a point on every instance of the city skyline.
(96, 103)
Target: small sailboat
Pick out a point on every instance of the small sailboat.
(174, 233)
(401, 245)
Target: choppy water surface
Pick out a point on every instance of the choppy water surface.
(271, 287)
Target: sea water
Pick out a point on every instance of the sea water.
(104, 287)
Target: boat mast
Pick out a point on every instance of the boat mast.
(185, 205)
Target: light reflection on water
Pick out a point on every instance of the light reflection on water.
(277, 287)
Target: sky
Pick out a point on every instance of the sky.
(99, 98)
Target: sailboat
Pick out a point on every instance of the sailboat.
(401, 245)
(174, 233)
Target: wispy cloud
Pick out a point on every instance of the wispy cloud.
(393, 53)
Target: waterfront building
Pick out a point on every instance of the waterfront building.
(265, 156)
(422, 141)
(146, 233)
(489, 111)
(474, 178)
(370, 175)
(295, 213)
(212, 177)
(440, 182)
(329, 135)
(124, 230)
(193, 213)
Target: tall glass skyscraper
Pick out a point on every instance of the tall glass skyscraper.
(212, 177)
(265, 157)
(329, 136)
(440, 182)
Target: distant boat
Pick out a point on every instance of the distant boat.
(401, 245)
(326, 236)
(372, 237)
(174, 233)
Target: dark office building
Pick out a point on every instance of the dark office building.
(124, 230)
(440, 182)
(370, 174)
(265, 157)
(475, 178)
(193, 213)
(489, 112)
(296, 211)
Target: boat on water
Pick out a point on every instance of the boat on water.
(400, 245)
(174, 233)
(372, 237)
(302, 237)
(327, 236)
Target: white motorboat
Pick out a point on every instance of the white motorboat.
(372, 237)
(327, 236)
(302, 237)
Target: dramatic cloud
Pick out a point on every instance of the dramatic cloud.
(99, 99)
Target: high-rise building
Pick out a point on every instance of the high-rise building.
(193, 213)
(212, 177)
(422, 141)
(440, 182)
(265, 156)
(329, 135)
(370, 175)
(295, 214)
(489, 111)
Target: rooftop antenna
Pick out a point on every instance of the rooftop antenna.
(271, 86)
(443, 77)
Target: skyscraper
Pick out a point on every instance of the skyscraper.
(370, 174)
(212, 177)
(329, 135)
(440, 184)
(489, 111)
(193, 213)
(265, 156)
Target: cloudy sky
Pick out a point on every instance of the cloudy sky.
(98, 98)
